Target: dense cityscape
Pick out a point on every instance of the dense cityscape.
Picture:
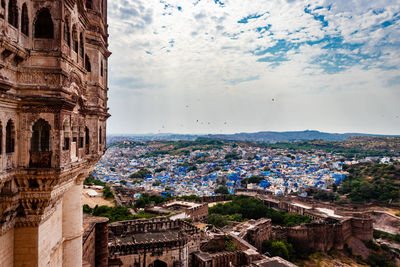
(203, 166)
(272, 195)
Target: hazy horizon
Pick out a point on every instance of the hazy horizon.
(173, 133)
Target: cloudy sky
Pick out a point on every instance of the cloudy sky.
(226, 66)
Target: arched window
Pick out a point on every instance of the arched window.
(44, 27)
(40, 141)
(75, 132)
(10, 137)
(3, 3)
(24, 20)
(67, 34)
(100, 135)
(75, 38)
(87, 140)
(81, 136)
(89, 4)
(1, 138)
(88, 67)
(101, 68)
(66, 133)
(13, 13)
(82, 45)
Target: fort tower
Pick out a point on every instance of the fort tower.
(53, 111)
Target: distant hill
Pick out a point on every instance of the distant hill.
(267, 137)
(293, 136)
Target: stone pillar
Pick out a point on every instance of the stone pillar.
(72, 226)
(7, 248)
(26, 246)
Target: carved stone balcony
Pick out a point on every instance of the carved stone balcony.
(40, 159)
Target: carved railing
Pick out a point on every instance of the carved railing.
(40, 159)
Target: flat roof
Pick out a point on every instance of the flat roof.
(183, 203)
(329, 212)
(301, 205)
(153, 237)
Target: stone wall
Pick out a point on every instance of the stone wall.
(198, 213)
(217, 198)
(325, 235)
(259, 233)
(156, 239)
(172, 257)
(325, 232)
(89, 248)
(7, 248)
(95, 241)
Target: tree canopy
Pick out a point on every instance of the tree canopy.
(251, 208)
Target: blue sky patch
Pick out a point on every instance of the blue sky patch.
(320, 18)
(242, 80)
(219, 2)
(253, 16)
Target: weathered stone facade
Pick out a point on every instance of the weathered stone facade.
(154, 242)
(53, 111)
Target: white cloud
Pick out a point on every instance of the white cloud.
(176, 62)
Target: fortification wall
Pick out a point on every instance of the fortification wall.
(198, 213)
(167, 255)
(362, 228)
(89, 248)
(149, 225)
(259, 233)
(217, 198)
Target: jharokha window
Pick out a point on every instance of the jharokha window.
(67, 33)
(44, 27)
(87, 140)
(81, 46)
(10, 137)
(40, 141)
(75, 38)
(88, 67)
(13, 13)
(66, 134)
(24, 20)
(1, 138)
(100, 136)
(89, 4)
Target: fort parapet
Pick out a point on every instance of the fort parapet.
(331, 226)
(152, 242)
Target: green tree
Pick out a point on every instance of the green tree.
(87, 209)
(140, 173)
(223, 190)
(217, 220)
(107, 193)
(112, 213)
(278, 248)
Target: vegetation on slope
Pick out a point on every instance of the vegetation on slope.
(115, 214)
(281, 249)
(242, 208)
(372, 182)
(354, 146)
(90, 180)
